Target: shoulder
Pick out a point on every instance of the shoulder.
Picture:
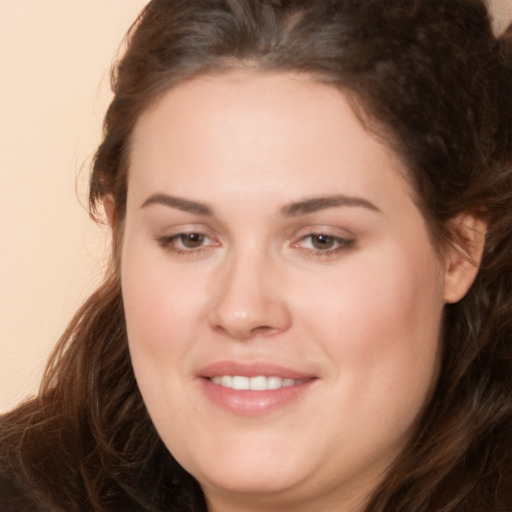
(494, 490)
(28, 462)
(46, 465)
(16, 495)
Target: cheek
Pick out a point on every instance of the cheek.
(161, 311)
(378, 320)
(155, 316)
(160, 302)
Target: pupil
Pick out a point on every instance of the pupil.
(192, 240)
(322, 241)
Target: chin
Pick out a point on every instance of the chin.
(257, 472)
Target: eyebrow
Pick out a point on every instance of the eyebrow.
(178, 203)
(304, 207)
(322, 203)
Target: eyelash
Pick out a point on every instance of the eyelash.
(171, 243)
(340, 244)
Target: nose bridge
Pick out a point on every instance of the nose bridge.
(249, 298)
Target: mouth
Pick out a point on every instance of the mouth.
(252, 389)
(258, 383)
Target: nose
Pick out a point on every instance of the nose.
(250, 299)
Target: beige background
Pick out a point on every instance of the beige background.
(55, 57)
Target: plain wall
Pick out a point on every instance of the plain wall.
(55, 57)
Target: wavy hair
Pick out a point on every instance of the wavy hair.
(432, 81)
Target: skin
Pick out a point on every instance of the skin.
(360, 310)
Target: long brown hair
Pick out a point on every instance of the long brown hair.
(431, 80)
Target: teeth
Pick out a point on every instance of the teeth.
(274, 382)
(259, 383)
(241, 383)
(225, 381)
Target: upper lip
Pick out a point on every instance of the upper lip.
(253, 369)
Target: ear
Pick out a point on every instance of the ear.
(464, 254)
(109, 205)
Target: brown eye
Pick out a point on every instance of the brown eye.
(189, 243)
(323, 242)
(323, 245)
(191, 240)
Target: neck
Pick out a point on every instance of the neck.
(240, 502)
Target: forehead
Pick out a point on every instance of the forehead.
(284, 130)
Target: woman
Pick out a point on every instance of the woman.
(308, 304)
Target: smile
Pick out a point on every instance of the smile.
(257, 383)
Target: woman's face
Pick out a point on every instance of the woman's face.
(271, 243)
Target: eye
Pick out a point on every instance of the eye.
(187, 243)
(323, 244)
(191, 240)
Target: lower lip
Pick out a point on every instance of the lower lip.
(254, 403)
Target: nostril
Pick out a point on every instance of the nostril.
(243, 332)
(261, 328)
